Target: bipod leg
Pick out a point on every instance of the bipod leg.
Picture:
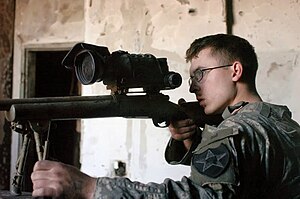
(20, 167)
(38, 129)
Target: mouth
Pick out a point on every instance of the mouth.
(200, 100)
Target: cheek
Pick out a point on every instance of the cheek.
(218, 93)
(216, 101)
(223, 90)
(215, 86)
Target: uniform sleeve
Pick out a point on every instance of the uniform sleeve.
(176, 152)
(110, 188)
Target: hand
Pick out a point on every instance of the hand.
(54, 179)
(183, 130)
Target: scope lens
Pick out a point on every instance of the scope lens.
(86, 68)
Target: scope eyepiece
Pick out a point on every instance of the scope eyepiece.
(173, 80)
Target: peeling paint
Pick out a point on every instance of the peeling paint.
(273, 67)
(295, 61)
(149, 29)
(46, 20)
(193, 11)
(184, 2)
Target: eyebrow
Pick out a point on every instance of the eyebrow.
(192, 73)
(199, 68)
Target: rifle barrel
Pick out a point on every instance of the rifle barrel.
(5, 104)
(142, 106)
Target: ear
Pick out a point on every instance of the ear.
(237, 71)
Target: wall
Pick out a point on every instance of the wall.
(273, 28)
(7, 9)
(164, 28)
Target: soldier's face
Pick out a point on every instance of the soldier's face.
(216, 90)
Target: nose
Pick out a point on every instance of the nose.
(193, 87)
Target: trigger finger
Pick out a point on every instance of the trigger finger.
(179, 123)
(184, 123)
(188, 122)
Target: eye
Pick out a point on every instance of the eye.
(198, 75)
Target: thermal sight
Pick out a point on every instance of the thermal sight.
(95, 64)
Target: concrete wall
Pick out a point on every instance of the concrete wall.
(7, 10)
(273, 28)
(164, 29)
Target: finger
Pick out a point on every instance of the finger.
(182, 129)
(187, 129)
(41, 183)
(36, 175)
(182, 123)
(184, 136)
(46, 192)
(51, 188)
(45, 165)
(182, 133)
(44, 175)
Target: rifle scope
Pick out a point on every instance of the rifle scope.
(120, 68)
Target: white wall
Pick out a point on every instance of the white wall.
(164, 28)
(273, 28)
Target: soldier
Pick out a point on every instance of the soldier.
(253, 153)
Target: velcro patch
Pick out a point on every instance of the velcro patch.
(212, 162)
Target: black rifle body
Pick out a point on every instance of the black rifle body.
(155, 106)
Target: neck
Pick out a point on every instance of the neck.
(247, 95)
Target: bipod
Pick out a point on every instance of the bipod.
(31, 131)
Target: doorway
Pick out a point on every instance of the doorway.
(46, 77)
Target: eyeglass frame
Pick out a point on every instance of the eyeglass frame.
(192, 78)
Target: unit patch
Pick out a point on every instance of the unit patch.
(212, 162)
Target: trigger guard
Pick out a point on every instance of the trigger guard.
(160, 124)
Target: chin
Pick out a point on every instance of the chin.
(207, 111)
(210, 111)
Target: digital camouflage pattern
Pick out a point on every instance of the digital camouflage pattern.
(253, 153)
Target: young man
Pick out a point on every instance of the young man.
(253, 153)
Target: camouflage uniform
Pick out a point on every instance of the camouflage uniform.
(253, 153)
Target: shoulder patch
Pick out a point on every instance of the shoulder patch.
(212, 162)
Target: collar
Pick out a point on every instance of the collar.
(231, 110)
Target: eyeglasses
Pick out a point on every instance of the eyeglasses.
(198, 74)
